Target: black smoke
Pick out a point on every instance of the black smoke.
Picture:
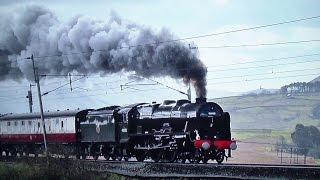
(109, 46)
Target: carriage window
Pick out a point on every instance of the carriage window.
(29, 122)
(22, 123)
(15, 123)
(38, 125)
(8, 123)
(61, 124)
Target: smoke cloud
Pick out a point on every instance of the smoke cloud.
(109, 46)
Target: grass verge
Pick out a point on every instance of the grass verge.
(23, 171)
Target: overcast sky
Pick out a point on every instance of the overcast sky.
(230, 70)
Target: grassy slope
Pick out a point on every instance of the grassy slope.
(31, 171)
(275, 112)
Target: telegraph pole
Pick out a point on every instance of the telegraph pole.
(29, 96)
(36, 78)
(189, 92)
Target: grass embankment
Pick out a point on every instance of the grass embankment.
(276, 112)
(261, 136)
(26, 171)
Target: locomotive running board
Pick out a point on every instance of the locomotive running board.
(150, 148)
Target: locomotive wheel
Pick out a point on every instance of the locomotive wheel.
(197, 156)
(170, 155)
(156, 155)
(190, 157)
(120, 154)
(106, 156)
(126, 158)
(66, 156)
(119, 157)
(220, 157)
(114, 156)
(95, 156)
(27, 152)
(22, 153)
(126, 155)
(205, 158)
(78, 156)
(140, 155)
(14, 153)
(83, 156)
(181, 159)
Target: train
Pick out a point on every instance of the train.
(171, 131)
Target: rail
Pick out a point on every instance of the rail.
(172, 170)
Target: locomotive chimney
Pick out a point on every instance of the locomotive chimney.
(201, 100)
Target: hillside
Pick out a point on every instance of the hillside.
(277, 111)
(315, 80)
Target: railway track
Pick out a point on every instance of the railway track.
(173, 170)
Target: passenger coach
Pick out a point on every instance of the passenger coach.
(23, 134)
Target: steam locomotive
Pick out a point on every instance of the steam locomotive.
(166, 132)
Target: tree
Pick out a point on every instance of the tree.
(306, 137)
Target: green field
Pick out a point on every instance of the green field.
(270, 137)
(275, 112)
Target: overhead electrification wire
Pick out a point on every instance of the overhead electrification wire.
(209, 83)
(266, 60)
(258, 74)
(62, 86)
(246, 80)
(247, 29)
(262, 44)
(62, 75)
(89, 95)
(270, 65)
(219, 70)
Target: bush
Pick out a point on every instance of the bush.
(23, 171)
(315, 152)
(307, 139)
(316, 112)
(54, 171)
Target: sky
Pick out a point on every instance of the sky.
(231, 71)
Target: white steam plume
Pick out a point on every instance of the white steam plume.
(36, 30)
